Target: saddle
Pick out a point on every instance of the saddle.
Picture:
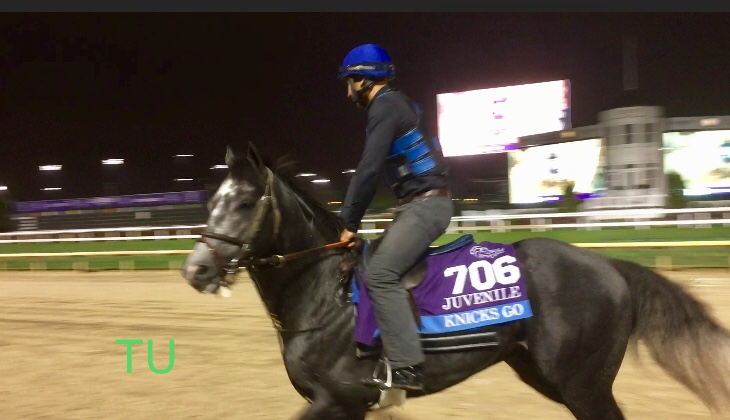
(415, 275)
(354, 267)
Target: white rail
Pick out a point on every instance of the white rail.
(669, 244)
(594, 214)
(499, 222)
(99, 230)
(95, 254)
(452, 229)
(110, 238)
(647, 223)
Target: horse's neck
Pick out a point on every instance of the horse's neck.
(303, 292)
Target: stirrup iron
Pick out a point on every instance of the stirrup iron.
(384, 363)
(389, 396)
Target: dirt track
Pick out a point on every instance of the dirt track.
(59, 359)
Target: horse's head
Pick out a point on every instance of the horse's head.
(242, 217)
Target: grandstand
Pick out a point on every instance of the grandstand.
(159, 209)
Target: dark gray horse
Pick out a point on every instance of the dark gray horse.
(586, 309)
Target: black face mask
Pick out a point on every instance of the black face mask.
(359, 97)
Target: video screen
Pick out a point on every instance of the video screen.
(491, 120)
(701, 158)
(541, 173)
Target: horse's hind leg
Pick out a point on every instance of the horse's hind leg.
(589, 404)
(522, 364)
(582, 398)
(588, 392)
(581, 380)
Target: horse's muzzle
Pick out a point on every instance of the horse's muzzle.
(199, 276)
(198, 279)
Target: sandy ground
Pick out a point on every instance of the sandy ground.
(59, 358)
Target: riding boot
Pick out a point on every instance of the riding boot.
(409, 378)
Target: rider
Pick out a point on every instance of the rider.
(396, 144)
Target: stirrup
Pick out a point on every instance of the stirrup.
(384, 364)
(389, 396)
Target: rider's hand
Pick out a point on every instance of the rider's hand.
(346, 235)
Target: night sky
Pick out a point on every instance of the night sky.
(78, 88)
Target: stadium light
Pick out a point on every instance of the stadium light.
(305, 174)
(51, 189)
(50, 167)
(3, 188)
(219, 167)
(320, 181)
(709, 121)
(183, 179)
(704, 191)
(112, 161)
(183, 156)
(348, 171)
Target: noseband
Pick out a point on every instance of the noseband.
(267, 203)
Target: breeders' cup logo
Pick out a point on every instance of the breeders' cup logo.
(484, 252)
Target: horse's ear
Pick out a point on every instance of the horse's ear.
(254, 158)
(231, 158)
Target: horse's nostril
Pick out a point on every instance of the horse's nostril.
(202, 270)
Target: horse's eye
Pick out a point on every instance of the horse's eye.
(246, 205)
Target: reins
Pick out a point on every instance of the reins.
(277, 261)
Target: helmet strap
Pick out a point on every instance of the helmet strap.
(359, 97)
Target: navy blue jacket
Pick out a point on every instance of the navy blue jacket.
(390, 115)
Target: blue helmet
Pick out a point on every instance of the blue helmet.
(369, 61)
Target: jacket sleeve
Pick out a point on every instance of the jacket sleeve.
(382, 127)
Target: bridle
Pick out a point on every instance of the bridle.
(243, 258)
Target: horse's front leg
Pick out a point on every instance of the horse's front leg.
(325, 406)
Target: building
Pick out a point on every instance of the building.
(634, 154)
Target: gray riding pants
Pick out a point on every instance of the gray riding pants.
(415, 226)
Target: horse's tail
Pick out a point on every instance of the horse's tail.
(680, 333)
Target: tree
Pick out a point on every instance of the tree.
(675, 191)
(570, 201)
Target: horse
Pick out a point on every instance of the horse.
(587, 308)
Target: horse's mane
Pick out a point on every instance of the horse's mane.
(285, 168)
